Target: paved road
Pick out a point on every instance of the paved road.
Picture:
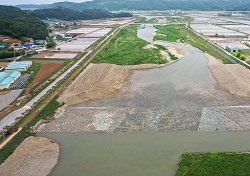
(19, 113)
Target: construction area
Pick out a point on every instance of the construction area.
(146, 103)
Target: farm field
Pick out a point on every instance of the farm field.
(3, 64)
(56, 55)
(76, 45)
(45, 71)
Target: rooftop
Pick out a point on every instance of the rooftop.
(6, 80)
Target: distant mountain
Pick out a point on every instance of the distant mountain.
(17, 23)
(114, 5)
(245, 7)
(32, 6)
(69, 14)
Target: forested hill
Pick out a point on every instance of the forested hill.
(154, 4)
(69, 14)
(245, 7)
(17, 23)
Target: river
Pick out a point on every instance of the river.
(169, 99)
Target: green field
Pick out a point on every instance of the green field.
(214, 164)
(127, 49)
(144, 20)
(173, 33)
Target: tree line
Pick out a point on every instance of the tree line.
(69, 14)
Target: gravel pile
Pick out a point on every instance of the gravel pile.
(35, 156)
(106, 119)
(228, 118)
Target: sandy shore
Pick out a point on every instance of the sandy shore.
(233, 78)
(34, 156)
(100, 81)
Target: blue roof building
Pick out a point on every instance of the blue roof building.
(2, 75)
(14, 74)
(6, 79)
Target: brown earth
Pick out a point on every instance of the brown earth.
(34, 156)
(234, 78)
(99, 81)
(3, 64)
(45, 71)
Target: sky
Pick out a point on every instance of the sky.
(16, 2)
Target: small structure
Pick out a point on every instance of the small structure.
(18, 66)
(28, 44)
(232, 49)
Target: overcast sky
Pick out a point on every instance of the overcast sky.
(16, 2)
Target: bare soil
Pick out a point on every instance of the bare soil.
(45, 71)
(34, 156)
(99, 81)
(234, 78)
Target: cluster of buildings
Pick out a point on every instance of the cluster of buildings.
(6, 41)
(55, 23)
(12, 73)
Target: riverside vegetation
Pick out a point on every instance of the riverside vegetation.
(127, 49)
(173, 33)
(197, 164)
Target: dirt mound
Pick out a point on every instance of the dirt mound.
(34, 156)
(99, 81)
(234, 78)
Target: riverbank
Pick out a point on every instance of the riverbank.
(99, 81)
(34, 156)
(233, 78)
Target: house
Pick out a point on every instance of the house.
(28, 44)
(232, 49)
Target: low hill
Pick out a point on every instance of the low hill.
(154, 4)
(245, 7)
(69, 14)
(17, 23)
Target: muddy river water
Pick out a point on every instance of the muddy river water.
(161, 111)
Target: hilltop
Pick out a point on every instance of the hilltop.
(150, 5)
(69, 14)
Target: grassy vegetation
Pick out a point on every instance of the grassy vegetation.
(127, 49)
(34, 69)
(219, 164)
(144, 20)
(172, 56)
(172, 33)
(45, 113)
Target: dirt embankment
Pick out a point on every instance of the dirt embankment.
(34, 156)
(234, 78)
(99, 81)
